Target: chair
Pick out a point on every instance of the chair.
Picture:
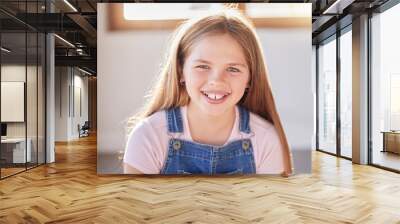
(84, 130)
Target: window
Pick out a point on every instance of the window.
(327, 96)
(22, 65)
(346, 93)
(385, 89)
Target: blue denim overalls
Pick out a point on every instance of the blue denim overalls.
(187, 157)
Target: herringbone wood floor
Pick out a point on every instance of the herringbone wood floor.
(70, 191)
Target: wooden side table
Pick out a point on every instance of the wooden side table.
(391, 141)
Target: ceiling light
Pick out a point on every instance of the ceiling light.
(337, 7)
(5, 49)
(70, 5)
(84, 71)
(64, 40)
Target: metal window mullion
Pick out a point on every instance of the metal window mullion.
(73, 91)
(45, 95)
(338, 96)
(317, 95)
(0, 96)
(26, 90)
(37, 92)
(69, 92)
(369, 89)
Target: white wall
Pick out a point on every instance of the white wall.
(128, 61)
(61, 103)
(67, 81)
(80, 118)
(11, 73)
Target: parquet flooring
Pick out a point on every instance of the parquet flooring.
(10, 171)
(70, 191)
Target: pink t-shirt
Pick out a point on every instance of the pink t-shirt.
(147, 145)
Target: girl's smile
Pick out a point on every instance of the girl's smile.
(215, 97)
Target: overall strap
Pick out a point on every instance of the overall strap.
(174, 119)
(244, 117)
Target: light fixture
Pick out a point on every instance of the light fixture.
(80, 51)
(5, 49)
(337, 7)
(65, 41)
(84, 71)
(70, 5)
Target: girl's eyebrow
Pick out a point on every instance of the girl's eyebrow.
(238, 64)
(232, 64)
(202, 61)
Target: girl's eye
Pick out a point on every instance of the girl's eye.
(232, 69)
(203, 66)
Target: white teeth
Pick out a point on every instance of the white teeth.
(214, 96)
(218, 96)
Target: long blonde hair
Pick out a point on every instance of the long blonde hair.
(168, 93)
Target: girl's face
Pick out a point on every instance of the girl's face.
(216, 74)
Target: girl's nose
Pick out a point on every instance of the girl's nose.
(217, 76)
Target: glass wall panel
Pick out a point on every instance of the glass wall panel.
(32, 95)
(327, 96)
(13, 95)
(41, 98)
(22, 88)
(32, 90)
(385, 114)
(346, 94)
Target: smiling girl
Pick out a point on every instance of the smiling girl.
(212, 110)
